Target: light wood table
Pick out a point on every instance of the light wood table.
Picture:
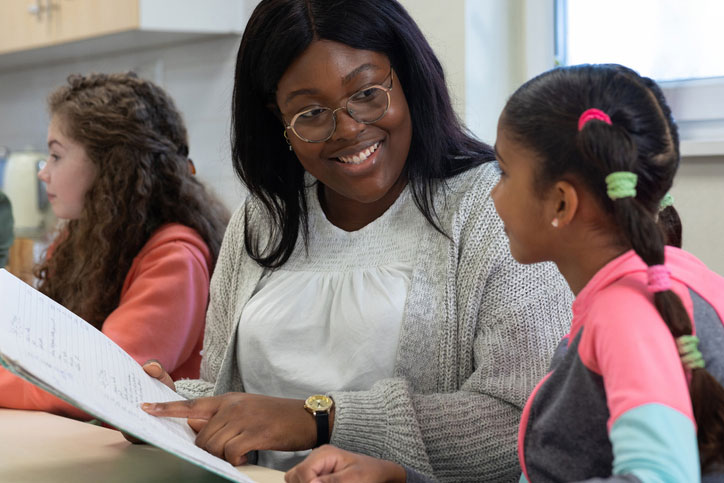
(41, 447)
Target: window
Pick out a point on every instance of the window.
(677, 43)
(663, 39)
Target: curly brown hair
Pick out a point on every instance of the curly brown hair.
(131, 130)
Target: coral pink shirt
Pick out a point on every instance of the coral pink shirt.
(160, 315)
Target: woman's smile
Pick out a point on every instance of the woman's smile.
(359, 157)
(361, 162)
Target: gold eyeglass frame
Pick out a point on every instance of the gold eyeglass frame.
(334, 111)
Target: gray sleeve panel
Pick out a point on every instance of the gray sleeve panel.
(710, 330)
(717, 476)
(568, 436)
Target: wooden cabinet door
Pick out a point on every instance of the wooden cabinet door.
(28, 24)
(20, 28)
(80, 19)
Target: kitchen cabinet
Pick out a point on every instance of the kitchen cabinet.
(25, 24)
(37, 31)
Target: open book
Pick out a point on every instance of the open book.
(48, 345)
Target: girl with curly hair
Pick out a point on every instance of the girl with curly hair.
(139, 234)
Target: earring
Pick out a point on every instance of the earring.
(555, 222)
(288, 141)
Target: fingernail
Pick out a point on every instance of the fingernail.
(148, 407)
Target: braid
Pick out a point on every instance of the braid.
(613, 148)
(670, 226)
(707, 394)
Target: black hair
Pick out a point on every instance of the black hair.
(642, 138)
(670, 225)
(277, 33)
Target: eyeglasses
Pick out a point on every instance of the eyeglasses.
(317, 124)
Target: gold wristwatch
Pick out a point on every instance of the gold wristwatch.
(320, 406)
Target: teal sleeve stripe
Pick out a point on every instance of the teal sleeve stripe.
(523, 479)
(655, 443)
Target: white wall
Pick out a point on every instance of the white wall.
(487, 48)
(699, 198)
(443, 26)
(495, 61)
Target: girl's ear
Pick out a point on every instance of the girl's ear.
(565, 202)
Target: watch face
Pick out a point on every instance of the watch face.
(319, 403)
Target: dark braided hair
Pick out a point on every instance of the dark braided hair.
(642, 138)
(670, 225)
(131, 130)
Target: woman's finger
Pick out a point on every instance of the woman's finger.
(154, 369)
(202, 408)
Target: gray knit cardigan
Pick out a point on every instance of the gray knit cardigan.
(477, 334)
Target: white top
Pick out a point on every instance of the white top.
(329, 319)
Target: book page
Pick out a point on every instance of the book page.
(48, 345)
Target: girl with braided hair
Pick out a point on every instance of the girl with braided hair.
(139, 234)
(587, 155)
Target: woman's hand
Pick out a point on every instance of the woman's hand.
(328, 464)
(232, 425)
(154, 369)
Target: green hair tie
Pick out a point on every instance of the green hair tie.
(621, 184)
(667, 200)
(689, 352)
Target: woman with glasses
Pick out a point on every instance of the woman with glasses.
(365, 295)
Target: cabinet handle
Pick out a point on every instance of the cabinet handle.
(49, 7)
(36, 10)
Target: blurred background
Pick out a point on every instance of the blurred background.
(487, 47)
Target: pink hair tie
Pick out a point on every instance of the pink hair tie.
(591, 114)
(659, 278)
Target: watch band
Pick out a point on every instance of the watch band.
(322, 428)
(320, 407)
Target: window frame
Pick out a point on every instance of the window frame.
(697, 104)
